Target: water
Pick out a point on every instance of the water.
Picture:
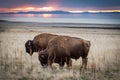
(64, 18)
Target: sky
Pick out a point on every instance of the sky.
(64, 5)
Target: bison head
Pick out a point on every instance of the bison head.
(43, 58)
(29, 47)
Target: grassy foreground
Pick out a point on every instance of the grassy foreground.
(104, 55)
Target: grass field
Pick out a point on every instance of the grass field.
(16, 64)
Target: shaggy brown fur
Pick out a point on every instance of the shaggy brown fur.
(39, 43)
(63, 48)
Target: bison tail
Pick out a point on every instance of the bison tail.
(86, 45)
(89, 43)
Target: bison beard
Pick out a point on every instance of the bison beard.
(64, 47)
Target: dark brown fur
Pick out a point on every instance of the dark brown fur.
(43, 58)
(39, 43)
(65, 48)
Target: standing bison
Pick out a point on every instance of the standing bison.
(63, 48)
(39, 43)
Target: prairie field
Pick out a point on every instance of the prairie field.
(103, 58)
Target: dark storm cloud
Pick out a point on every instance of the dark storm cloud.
(61, 3)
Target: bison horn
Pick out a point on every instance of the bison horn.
(29, 43)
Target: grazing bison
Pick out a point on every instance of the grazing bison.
(43, 55)
(39, 43)
(63, 48)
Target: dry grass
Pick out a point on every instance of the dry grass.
(104, 56)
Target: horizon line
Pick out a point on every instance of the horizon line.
(62, 11)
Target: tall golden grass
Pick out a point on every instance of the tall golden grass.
(103, 58)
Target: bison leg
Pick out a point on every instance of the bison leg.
(69, 62)
(84, 63)
(62, 62)
(50, 61)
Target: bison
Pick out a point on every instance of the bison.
(39, 43)
(63, 49)
(43, 55)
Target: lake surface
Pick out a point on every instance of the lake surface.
(64, 18)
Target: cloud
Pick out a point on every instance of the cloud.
(62, 4)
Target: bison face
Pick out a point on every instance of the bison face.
(43, 58)
(29, 47)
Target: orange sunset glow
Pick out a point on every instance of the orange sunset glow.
(50, 8)
(46, 15)
(26, 9)
(33, 9)
(74, 6)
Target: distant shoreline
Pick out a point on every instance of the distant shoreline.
(59, 25)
